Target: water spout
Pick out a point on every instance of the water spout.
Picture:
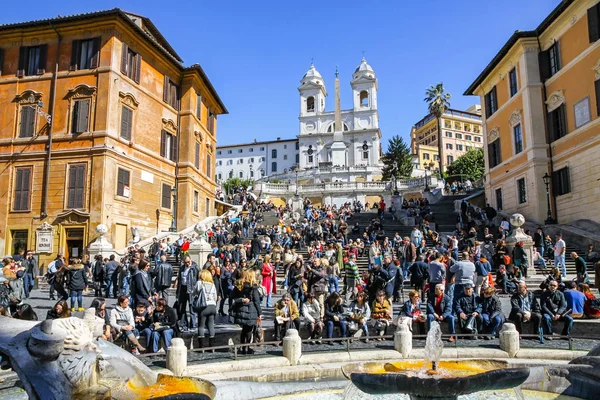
(434, 345)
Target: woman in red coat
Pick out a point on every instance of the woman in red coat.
(268, 278)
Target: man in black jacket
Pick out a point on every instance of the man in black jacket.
(554, 308)
(491, 312)
(31, 272)
(525, 307)
(164, 324)
(185, 284)
(255, 247)
(141, 286)
(163, 276)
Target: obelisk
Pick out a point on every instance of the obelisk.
(338, 147)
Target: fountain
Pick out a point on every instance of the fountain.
(440, 380)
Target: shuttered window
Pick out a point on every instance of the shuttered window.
(76, 189)
(512, 79)
(597, 90)
(195, 201)
(561, 182)
(81, 116)
(499, 205)
(168, 146)
(131, 63)
(557, 123)
(197, 156)
(494, 153)
(22, 189)
(32, 60)
(491, 103)
(27, 125)
(209, 166)
(593, 15)
(166, 196)
(85, 54)
(123, 186)
(126, 122)
(549, 61)
(171, 93)
(212, 118)
(198, 106)
(521, 191)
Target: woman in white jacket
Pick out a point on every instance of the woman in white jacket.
(311, 310)
(122, 322)
(206, 315)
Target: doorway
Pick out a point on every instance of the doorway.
(19, 241)
(74, 243)
(120, 236)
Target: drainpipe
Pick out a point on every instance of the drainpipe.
(44, 212)
(176, 187)
(545, 97)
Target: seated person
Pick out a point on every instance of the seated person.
(554, 308)
(311, 310)
(554, 275)
(334, 315)
(468, 310)
(359, 314)
(412, 311)
(524, 308)
(575, 300)
(164, 323)
(591, 307)
(491, 312)
(286, 316)
(123, 323)
(60, 310)
(143, 319)
(439, 308)
(538, 259)
(382, 313)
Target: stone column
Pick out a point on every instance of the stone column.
(403, 340)
(509, 339)
(518, 235)
(292, 346)
(200, 248)
(177, 357)
(101, 245)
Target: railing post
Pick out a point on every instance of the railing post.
(509, 339)
(292, 346)
(177, 357)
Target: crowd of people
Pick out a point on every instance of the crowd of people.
(455, 280)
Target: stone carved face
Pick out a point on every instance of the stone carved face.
(517, 220)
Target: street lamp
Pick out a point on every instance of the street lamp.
(547, 179)
(427, 168)
(173, 227)
(296, 170)
(395, 172)
(37, 106)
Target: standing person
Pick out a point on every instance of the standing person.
(53, 268)
(227, 283)
(520, 258)
(409, 255)
(185, 284)
(483, 269)
(255, 246)
(419, 273)
(464, 274)
(78, 281)
(560, 248)
(352, 277)
(268, 278)
(163, 273)
(580, 268)
(538, 240)
(554, 308)
(31, 272)
(111, 274)
(246, 307)
(206, 314)
(141, 285)
(98, 275)
(164, 324)
(333, 273)
(316, 276)
(437, 273)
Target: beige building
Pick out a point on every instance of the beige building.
(542, 105)
(461, 131)
(100, 122)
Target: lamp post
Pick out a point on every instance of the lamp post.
(427, 168)
(37, 106)
(173, 227)
(395, 172)
(547, 179)
(296, 170)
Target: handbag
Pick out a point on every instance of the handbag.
(199, 301)
(470, 325)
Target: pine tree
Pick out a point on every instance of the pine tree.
(397, 160)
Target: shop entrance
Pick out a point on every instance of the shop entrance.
(19, 241)
(74, 243)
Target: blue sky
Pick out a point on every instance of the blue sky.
(255, 52)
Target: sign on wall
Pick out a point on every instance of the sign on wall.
(44, 238)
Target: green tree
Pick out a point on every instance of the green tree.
(470, 165)
(438, 101)
(230, 183)
(397, 160)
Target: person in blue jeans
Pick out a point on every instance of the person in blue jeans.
(554, 308)
(334, 315)
(164, 323)
(143, 321)
(439, 308)
(77, 282)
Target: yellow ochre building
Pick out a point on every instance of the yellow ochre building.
(540, 97)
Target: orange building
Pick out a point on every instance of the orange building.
(541, 97)
(100, 122)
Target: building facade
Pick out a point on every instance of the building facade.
(460, 132)
(257, 160)
(100, 123)
(542, 95)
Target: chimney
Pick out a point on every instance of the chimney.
(278, 138)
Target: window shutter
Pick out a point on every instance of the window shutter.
(82, 115)
(95, 61)
(1, 60)
(198, 106)
(166, 196)
(197, 156)
(126, 117)
(174, 148)
(551, 127)
(544, 60)
(22, 189)
(138, 68)
(18, 185)
(124, 53)
(79, 186)
(597, 87)
(43, 55)
(495, 98)
(22, 61)
(75, 50)
(27, 121)
(555, 181)
(166, 89)
(163, 143)
(72, 188)
(562, 113)
(594, 23)
(75, 120)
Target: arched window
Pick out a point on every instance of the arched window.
(274, 153)
(273, 167)
(331, 128)
(231, 174)
(220, 176)
(364, 98)
(241, 174)
(251, 174)
(310, 104)
(262, 172)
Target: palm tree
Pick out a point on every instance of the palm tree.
(438, 101)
